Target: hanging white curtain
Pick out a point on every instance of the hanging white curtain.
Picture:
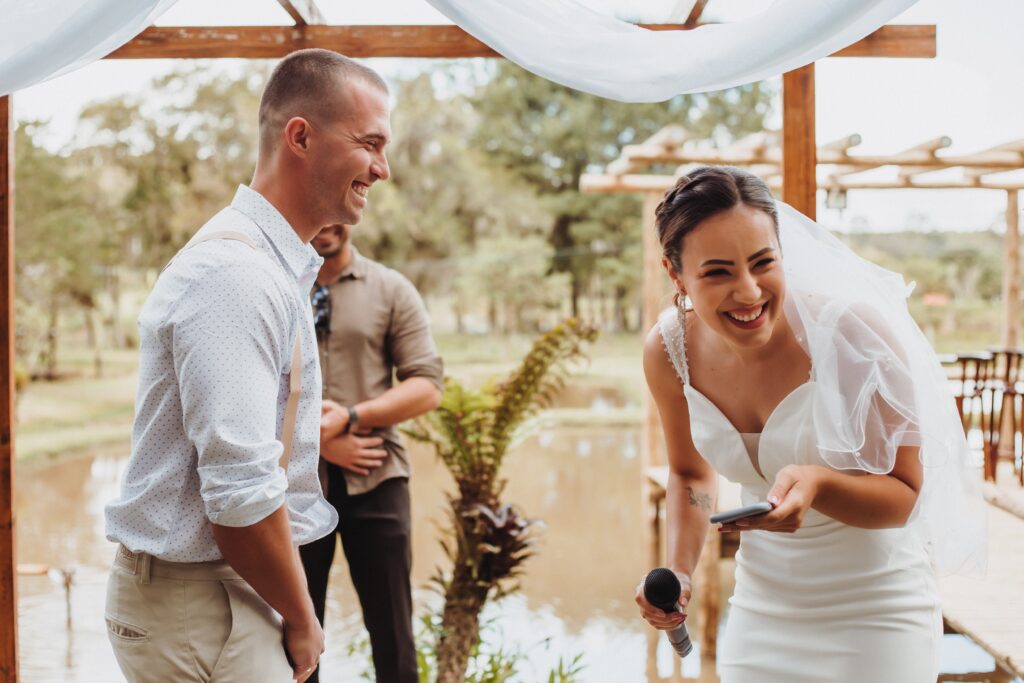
(564, 41)
(41, 39)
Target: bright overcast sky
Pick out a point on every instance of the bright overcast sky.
(972, 92)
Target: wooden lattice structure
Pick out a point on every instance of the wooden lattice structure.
(311, 30)
(920, 167)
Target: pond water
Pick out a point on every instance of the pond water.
(576, 597)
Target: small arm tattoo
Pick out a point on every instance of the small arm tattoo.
(699, 500)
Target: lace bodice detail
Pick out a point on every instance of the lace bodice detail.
(673, 338)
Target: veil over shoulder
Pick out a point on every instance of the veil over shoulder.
(881, 386)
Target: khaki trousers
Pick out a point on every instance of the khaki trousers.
(173, 622)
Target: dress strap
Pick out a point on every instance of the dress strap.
(673, 337)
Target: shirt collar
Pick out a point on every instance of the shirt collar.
(300, 257)
(356, 267)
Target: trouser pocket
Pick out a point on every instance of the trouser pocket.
(122, 631)
(254, 650)
(131, 628)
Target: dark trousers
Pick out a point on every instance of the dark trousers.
(375, 534)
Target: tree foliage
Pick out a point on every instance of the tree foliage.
(550, 135)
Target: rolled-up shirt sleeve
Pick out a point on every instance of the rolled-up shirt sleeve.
(230, 350)
(411, 344)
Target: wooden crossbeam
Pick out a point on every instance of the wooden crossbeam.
(649, 182)
(267, 42)
(303, 12)
(994, 160)
(843, 144)
(895, 41)
(926, 149)
(698, 8)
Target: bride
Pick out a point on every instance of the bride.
(792, 367)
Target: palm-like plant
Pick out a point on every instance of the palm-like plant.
(471, 432)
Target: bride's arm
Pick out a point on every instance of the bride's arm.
(692, 483)
(868, 501)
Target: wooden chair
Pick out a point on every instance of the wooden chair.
(1004, 388)
(972, 393)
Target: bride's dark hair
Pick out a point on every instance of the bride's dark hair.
(701, 194)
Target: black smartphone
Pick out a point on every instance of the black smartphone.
(727, 516)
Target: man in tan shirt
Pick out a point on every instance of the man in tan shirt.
(372, 328)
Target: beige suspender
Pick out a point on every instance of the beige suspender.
(291, 408)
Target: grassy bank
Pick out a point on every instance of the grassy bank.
(82, 414)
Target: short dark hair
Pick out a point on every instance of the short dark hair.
(705, 192)
(302, 85)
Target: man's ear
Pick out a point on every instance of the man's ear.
(296, 135)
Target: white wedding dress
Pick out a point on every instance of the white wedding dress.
(830, 603)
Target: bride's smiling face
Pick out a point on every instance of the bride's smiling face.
(732, 272)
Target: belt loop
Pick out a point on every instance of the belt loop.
(145, 567)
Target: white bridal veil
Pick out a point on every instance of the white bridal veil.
(880, 386)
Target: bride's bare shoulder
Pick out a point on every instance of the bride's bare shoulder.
(662, 378)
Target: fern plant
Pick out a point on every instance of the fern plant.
(488, 540)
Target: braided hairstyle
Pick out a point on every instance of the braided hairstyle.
(701, 194)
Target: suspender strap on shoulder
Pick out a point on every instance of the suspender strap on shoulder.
(291, 408)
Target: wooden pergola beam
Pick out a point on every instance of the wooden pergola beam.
(993, 161)
(647, 182)
(799, 141)
(268, 42)
(8, 561)
(1011, 273)
(694, 17)
(303, 12)
(897, 40)
(843, 144)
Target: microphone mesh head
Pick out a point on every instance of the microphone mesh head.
(662, 588)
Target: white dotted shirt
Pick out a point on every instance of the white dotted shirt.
(215, 344)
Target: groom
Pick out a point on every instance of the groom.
(222, 484)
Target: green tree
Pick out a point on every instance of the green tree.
(550, 135)
(446, 208)
(63, 250)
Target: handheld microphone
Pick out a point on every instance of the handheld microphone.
(662, 589)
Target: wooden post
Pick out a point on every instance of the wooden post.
(650, 436)
(1011, 325)
(651, 286)
(1011, 273)
(799, 143)
(707, 583)
(8, 562)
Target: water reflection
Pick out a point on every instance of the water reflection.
(599, 399)
(577, 592)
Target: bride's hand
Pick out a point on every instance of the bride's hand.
(792, 494)
(659, 619)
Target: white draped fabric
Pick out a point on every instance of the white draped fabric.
(566, 42)
(41, 39)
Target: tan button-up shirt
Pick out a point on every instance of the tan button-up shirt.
(379, 331)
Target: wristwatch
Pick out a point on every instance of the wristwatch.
(353, 419)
